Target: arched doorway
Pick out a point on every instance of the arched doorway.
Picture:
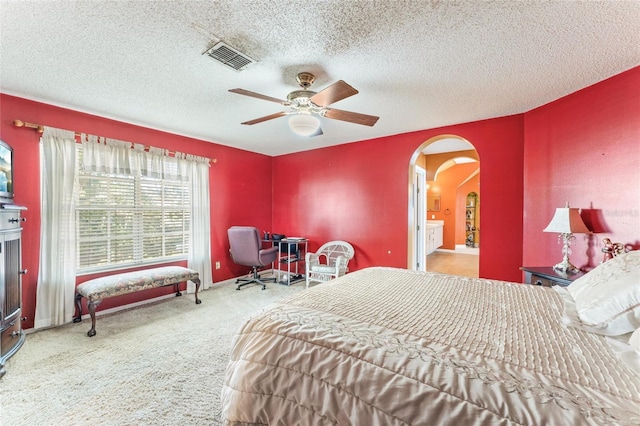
(451, 165)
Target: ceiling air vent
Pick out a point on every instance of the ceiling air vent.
(229, 56)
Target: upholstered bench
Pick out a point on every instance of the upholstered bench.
(115, 285)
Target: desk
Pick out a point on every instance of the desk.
(291, 252)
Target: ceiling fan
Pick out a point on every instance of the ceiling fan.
(305, 105)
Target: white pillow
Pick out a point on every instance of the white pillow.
(607, 299)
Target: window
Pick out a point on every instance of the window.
(129, 220)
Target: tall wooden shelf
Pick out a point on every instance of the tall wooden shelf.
(471, 222)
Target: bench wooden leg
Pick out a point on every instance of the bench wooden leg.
(92, 311)
(78, 299)
(197, 283)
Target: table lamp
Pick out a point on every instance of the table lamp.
(567, 221)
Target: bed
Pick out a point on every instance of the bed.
(386, 346)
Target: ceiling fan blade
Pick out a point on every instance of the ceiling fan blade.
(351, 117)
(334, 93)
(265, 118)
(256, 95)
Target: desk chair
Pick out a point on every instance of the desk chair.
(246, 249)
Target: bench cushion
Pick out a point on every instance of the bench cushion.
(129, 282)
(324, 269)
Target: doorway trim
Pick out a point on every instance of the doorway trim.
(420, 211)
(412, 238)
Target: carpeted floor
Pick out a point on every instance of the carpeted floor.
(158, 364)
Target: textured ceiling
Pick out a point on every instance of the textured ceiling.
(416, 64)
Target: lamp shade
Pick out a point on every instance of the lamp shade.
(304, 124)
(567, 220)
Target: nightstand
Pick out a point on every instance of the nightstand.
(547, 276)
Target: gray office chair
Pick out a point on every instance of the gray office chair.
(246, 249)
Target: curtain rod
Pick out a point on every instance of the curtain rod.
(40, 129)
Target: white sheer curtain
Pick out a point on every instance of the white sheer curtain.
(113, 156)
(108, 156)
(56, 275)
(56, 278)
(104, 155)
(200, 238)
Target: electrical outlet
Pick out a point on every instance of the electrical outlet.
(218, 265)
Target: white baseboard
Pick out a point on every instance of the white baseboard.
(463, 249)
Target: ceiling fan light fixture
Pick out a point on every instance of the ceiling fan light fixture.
(304, 124)
(306, 105)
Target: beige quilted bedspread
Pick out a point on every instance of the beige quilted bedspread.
(385, 346)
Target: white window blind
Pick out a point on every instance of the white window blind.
(129, 220)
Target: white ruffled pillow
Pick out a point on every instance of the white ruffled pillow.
(607, 299)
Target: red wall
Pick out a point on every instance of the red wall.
(237, 198)
(358, 192)
(584, 149)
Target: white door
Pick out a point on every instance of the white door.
(420, 199)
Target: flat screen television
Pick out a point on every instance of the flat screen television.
(6, 172)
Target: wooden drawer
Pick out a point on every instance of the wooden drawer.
(10, 337)
(10, 219)
(545, 282)
(546, 276)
